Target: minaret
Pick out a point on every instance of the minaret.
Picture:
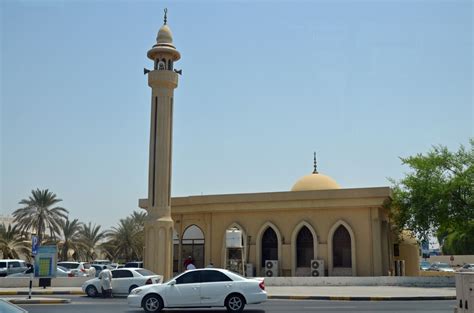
(158, 252)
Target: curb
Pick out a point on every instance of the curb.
(40, 293)
(344, 298)
(39, 301)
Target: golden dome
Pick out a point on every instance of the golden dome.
(164, 35)
(315, 181)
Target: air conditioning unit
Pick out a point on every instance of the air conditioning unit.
(249, 270)
(317, 268)
(271, 268)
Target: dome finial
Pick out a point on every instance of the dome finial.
(315, 170)
(166, 11)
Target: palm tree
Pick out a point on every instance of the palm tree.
(71, 238)
(13, 244)
(90, 236)
(126, 240)
(39, 215)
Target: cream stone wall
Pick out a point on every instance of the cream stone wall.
(360, 210)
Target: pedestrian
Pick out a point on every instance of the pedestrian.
(190, 266)
(187, 261)
(105, 277)
(92, 271)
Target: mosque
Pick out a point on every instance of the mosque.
(317, 228)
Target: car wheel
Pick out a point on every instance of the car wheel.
(152, 303)
(91, 291)
(131, 288)
(235, 303)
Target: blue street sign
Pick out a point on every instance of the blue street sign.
(34, 245)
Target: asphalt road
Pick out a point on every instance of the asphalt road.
(81, 304)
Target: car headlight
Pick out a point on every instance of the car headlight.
(136, 291)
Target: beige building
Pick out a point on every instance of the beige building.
(347, 230)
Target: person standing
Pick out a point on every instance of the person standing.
(105, 277)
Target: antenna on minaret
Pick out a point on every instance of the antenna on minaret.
(315, 170)
(166, 11)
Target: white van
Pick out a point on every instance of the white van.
(11, 266)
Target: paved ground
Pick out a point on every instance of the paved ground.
(302, 292)
(81, 304)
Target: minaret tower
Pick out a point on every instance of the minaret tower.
(158, 254)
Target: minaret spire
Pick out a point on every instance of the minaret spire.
(315, 169)
(166, 11)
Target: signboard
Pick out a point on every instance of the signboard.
(34, 245)
(46, 262)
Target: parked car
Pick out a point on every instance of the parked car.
(12, 266)
(424, 265)
(441, 267)
(102, 262)
(466, 268)
(138, 264)
(209, 287)
(78, 268)
(60, 272)
(123, 281)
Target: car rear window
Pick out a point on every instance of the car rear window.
(145, 272)
(87, 266)
(69, 265)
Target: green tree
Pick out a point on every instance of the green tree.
(71, 238)
(38, 214)
(437, 196)
(90, 238)
(126, 240)
(12, 243)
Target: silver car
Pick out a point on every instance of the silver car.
(12, 266)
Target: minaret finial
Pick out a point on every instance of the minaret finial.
(166, 11)
(315, 170)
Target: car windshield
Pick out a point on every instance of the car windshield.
(443, 265)
(425, 263)
(62, 268)
(3, 264)
(69, 265)
(145, 272)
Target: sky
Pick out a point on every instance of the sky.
(264, 85)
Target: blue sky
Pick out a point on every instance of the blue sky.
(264, 85)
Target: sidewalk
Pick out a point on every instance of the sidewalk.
(348, 293)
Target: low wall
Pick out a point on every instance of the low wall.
(19, 282)
(405, 281)
(459, 260)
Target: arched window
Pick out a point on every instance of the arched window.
(269, 246)
(304, 248)
(161, 66)
(193, 245)
(341, 248)
(170, 65)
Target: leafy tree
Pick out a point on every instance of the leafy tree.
(438, 194)
(71, 238)
(126, 240)
(39, 215)
(90, 237)
(12, 243)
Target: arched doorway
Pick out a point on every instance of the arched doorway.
(192, 244)
(269, 246)
(304, 252)
(342, 252)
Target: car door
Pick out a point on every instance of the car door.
(186, 290)
(215, 286)
(121, 280)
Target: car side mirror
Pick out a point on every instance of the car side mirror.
(173, 282)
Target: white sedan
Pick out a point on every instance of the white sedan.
(123, 281)
(209, 287)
